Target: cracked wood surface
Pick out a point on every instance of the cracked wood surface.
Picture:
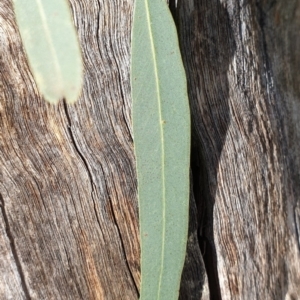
(242, 60)
(68, 208)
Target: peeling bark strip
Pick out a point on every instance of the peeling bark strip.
(70, 200)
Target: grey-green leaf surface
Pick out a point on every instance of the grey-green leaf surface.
(161, 128)
(52, 47)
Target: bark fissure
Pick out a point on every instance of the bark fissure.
(268, 72)
(200, 177)
(121, 239)
(93, 192)
(76, 147)
(297, 223)
(207, 252)
(13, 248)
(97, 25)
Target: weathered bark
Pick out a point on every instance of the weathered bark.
(68, 208)
(242, 60)
(69, 190)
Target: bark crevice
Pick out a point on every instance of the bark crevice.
(14, 249)
(76, 147)
(123, 248)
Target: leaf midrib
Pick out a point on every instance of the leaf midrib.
(49, 39)
(162, 142)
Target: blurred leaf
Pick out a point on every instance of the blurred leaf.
(161, 127)
(52, 48)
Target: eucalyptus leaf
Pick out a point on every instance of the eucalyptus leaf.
(161, 128)
(52, 47)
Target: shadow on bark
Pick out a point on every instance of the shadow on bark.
(207, 49)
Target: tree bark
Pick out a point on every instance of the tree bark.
(68, 205)
(242, 60)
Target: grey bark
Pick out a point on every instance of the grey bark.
(68, 205)
(241, 59)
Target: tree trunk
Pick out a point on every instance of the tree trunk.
(242, 60)
(68, 205)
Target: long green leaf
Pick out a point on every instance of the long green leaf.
(161, 127)
(52, 48)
